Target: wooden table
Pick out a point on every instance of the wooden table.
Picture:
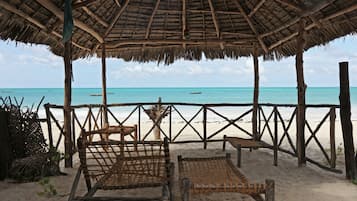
(240, 143)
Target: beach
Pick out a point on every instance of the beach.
(307, 183)
(293, 183)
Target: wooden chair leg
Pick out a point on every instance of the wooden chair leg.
(224, 142)
(275, 156)
(75, 185)
(269, 190)
(185, 189)
(239, 155)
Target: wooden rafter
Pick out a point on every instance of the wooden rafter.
(148, 28)
(183, 22)
(290, 4)
(215, 22)
(117, 2)
(59, 14)
(35, 22)
(252, 27)
(91, 13)
(116, 44)
(312, 25)
(116, 18)
(256, 8)
(82, 3)
(94, 16)
(293, 21)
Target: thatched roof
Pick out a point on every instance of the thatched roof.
(166, 30)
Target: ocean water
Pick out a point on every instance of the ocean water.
(277, 95)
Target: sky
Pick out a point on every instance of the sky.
(25, 66)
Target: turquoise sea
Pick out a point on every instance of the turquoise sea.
(277, 95)
(287, 95)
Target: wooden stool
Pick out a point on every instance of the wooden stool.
(240, 143)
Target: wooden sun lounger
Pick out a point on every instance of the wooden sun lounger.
(115, 165)
(218, 174)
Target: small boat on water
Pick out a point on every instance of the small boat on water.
(196, 92)
(99, 94)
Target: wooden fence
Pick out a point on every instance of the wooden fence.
(272, 126)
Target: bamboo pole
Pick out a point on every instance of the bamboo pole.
(300, 118)
(67, 103)
(104, 87)
(256, 94)
(346, 124)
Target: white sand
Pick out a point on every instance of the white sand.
(292, 183)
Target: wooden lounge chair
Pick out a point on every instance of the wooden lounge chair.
(218, 174)
(240, 143)
(116, 165)
(104, 133)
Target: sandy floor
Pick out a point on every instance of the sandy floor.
(292, 183)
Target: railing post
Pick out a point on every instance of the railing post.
(259, 123)
(204, 126)
(90, 118)
(170, 123)
(49, 126)
(275, 141)
(332, 137)
(73, 132)
(139, 122)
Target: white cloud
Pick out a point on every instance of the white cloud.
(2, 58)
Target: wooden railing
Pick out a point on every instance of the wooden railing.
(196, 125)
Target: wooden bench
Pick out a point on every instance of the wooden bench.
(240, 143)
(218, 174)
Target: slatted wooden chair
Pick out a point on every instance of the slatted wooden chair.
(218, 174)
(116, 165)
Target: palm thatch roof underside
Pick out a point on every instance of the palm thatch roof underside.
(166, 30)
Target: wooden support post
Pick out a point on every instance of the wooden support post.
(67, 103)
(104, 87)
(346, 124)
(301, 86)
(49, 126)
(204, 127)
(256, 95)
(332, 137)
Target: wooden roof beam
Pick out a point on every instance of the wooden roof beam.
(256, 8)
(151, 19)
(291, 5)
(175, 41)
(59, 14)
(94, 16)
(35, 22)
(306, 13)
(89, 12)
(215, 21)
(117, 2)
(183, 22)
(252, 27)
(116, 18)
(312, 25)
(80, 4)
